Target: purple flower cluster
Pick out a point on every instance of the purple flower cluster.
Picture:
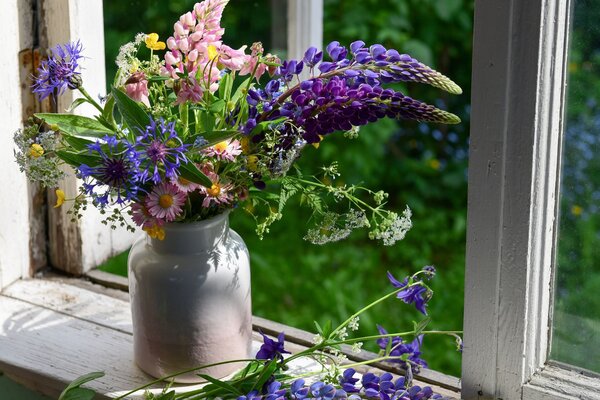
(383, 387)
(117, 173)
(59, 72)
(346, 94)
(370, 386)
(159, 148)
(401, 351)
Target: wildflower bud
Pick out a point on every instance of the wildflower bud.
(172, 43)
(75, 81)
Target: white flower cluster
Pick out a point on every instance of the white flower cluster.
(393, 228)
(353, 324)
(35, 158)
(286, 158)
(126, 59)
(335, 227)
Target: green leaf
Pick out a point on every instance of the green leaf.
(74, 392)
(327, 328)
(158, 78)
(207, 121)
(240, 91)
(265, 374)
(217, 107)
(109, 108)
(77, 143)
(225, 86)
(420, 327)
(319, 329)
(76, 159)
(78, 394)
(76, 123)
(222, 384)
(215, 137)
(190, 172)
(133, 114)
(76, 103)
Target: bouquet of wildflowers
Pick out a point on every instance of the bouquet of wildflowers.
(199, 127)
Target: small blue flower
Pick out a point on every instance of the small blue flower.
(271, 349)
(59, 72)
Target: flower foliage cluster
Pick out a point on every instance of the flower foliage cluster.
(271, 375)
(198, 128)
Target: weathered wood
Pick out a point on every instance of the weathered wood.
(557, 381)
(107, 279)
(71, 306)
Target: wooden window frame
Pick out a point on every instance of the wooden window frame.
(519, 70)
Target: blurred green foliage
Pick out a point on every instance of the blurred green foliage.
(577, 304)
(418, 165)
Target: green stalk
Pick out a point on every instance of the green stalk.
(164, 378)
(90, 99)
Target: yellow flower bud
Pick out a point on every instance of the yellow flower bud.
(36, 151)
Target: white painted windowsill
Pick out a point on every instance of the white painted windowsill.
(55, 330)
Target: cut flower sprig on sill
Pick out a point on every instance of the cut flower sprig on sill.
(270, 375)
(193, 127)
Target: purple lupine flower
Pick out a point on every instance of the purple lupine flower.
(348, 382)
(116, 174)
(59, 72)
(274, 391)
(253, 395)
(400, 349)
(416, 293)
(298, 391)
(271, 349)
(159, 147)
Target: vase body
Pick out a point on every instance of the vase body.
(190, 299)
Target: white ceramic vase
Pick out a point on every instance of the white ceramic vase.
(190, 299)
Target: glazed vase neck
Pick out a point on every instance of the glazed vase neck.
(193, 237)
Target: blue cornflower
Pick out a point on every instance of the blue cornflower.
(116, 174)
(400, 349)
(416, 294)
(160, 149)
(274, 392)
(59, 72)
(271, 349)
(321, 391)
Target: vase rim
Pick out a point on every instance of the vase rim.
(214, 220)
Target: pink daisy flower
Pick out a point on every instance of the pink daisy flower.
(217, 194)
(227, 150)
(184, 185)
(141, 216)
(165, 202)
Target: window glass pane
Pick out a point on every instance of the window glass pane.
(576, 333)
